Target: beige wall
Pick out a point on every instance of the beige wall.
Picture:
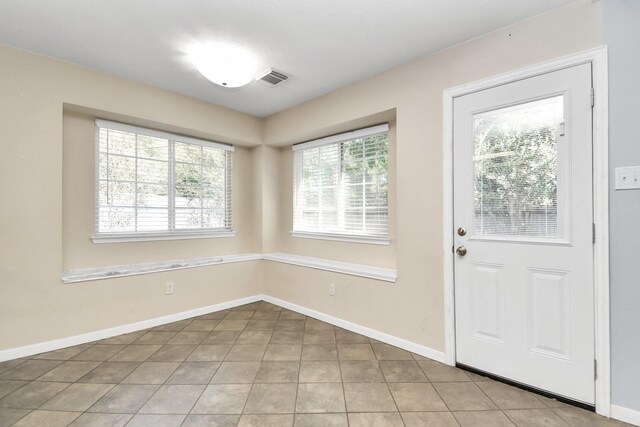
(46, 203)
(46, 190)
(412, 308)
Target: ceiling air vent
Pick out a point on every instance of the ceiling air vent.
(272, 77)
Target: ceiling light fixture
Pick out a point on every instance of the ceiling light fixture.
(225, 64)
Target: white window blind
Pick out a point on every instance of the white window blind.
(341, 184)
(151, 182)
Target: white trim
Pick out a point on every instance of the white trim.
(627, 415)
(447, 195)
(598, 58)
(151, 237)
(111, 272)
(361, 270)
(341, 237)
(363, 330)
(107, 124)
(30, 350)
(347, 136)
(116, 271)
(601, 219)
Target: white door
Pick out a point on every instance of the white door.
(523, 213)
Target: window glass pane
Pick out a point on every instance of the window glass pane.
(188, 218)
(117, 193)
(354, 196)
(213, 157)
(187, 174)
(353, 173)
(213, 218)
(123, 143)
(153, 148)
(353, 219)
(188, 197)
(189, 153)
(121, 168)
(329, 197)
(329, 219)
(153, 171)
(311, 199)
(213, 176)
(116, 219)
(213, 198)
(150, 219)
(516, 169)
(310, 219)
(376, 219)
(103, 166)
(150, 195)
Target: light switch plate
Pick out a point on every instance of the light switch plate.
(628, 178)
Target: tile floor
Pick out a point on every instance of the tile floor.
(260, 365)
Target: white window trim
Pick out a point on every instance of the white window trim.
(160, 134)
(333, 139)
(160, 235)
(150, 237)
(347, 136)
(353, 238)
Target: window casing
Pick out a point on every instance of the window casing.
(341, 186)
(154, 185)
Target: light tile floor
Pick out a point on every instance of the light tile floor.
(260, 365)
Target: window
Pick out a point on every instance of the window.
(154, 185)
(341, 186)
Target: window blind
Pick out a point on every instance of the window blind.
(149, 181)
(341, 184)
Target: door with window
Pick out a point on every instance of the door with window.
(523, 232)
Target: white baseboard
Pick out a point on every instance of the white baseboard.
(363, 330)
(627, 415)
(30, 350)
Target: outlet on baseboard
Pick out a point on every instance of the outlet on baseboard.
(332, 289)
(169, 288)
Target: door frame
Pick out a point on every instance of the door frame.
(597, 57)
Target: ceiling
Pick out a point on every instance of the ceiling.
(322, 45)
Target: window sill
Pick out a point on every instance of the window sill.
(116, 271)
(150, 237)
(342, 238)
(360, 270)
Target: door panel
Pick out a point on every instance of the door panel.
(488, 302)
(523, 190)
(549, 312)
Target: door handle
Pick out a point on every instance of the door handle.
(462, 231)
(461, 250)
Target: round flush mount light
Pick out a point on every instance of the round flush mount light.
(225, 64)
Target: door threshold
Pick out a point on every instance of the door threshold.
(528, 388)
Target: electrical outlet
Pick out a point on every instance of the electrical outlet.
(169, 288)
(332, 289)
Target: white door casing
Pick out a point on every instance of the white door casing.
(524, 290)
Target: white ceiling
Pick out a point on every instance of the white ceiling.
(323, 44)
